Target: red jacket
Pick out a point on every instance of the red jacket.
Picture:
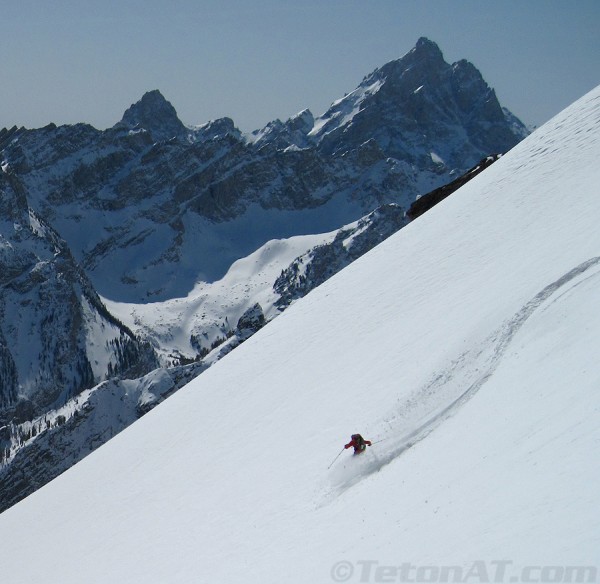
(358, 442)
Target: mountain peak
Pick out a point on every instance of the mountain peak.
(218, 128)
(425, 46)
(423, 100)
(155, 114)
(426, 56)
(303, 121)
(424, 60)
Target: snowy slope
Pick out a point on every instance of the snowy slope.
(212, 309)
(273, 276)
(470, 354)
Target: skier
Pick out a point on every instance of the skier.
(359, 443)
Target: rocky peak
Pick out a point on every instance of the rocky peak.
(154, 114)
(215, 129)
(293, 133)
(422, 101)
(427, 49)
(424, 61)
(302, 122)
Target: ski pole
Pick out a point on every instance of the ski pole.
(340, 452)
(382, 440)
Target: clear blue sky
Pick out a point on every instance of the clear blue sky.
(68, 61)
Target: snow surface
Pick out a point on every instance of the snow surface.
(215, 307)
(346, 108)
(469, 357)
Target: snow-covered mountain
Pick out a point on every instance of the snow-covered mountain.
(150, 208)
(421, 110)
(464, 347)
(274, 276)
(211, 232)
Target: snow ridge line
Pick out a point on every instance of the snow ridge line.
(466, 366)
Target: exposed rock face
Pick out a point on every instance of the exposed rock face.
(154, 114)
(51, 318)
(216, 129)
(250, 322)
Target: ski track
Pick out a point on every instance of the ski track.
(473, 367)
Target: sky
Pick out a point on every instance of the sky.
(70, 61)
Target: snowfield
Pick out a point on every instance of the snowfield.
(468, 356)
(218, 304)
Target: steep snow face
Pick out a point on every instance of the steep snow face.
(467, 355)
(343, 110)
